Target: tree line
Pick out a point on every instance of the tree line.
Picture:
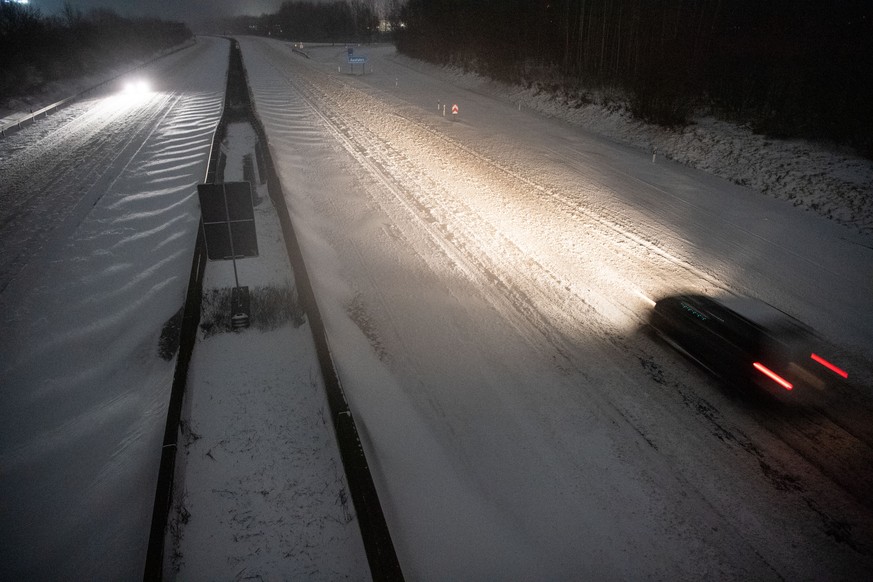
(304, 21)
(800, 68)
(40, 49)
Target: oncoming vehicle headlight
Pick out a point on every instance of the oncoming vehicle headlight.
(137, 87)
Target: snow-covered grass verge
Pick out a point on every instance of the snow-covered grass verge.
(265, 492)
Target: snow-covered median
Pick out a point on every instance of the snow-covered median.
(264, 491)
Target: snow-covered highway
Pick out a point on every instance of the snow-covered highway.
(98, 217)
(484, 283)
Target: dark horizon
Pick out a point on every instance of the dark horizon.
(188, 11)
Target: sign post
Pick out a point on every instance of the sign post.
(357, 60)
(228, 221)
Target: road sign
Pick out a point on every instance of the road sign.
(455, 109)
(357, 60)
(228, 220)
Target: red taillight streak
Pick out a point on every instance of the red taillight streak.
(773, 375)
(829, 366)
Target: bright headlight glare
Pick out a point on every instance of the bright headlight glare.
(137, 86)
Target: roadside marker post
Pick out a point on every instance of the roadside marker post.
(454, 112)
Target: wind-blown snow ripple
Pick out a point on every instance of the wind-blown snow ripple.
(84, 388)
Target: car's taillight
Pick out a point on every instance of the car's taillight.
(773, 375)
(829, 366)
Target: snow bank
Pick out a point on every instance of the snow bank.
(821, 178)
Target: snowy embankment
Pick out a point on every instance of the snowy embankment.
(821, 178)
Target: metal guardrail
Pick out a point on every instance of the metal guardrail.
(164, 491)
(154, 564)
(16, 125)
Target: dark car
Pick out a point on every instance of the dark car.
(746, 342)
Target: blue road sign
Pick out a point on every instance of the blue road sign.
(357, 60)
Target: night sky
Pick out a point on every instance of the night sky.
(185, 10)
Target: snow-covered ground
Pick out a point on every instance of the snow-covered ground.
(483, 283)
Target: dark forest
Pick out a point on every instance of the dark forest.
(339, 21)
(787, 68)
(40, 49)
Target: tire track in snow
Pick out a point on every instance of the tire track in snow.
(825, 442)
(479, 250)
(528, 287)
